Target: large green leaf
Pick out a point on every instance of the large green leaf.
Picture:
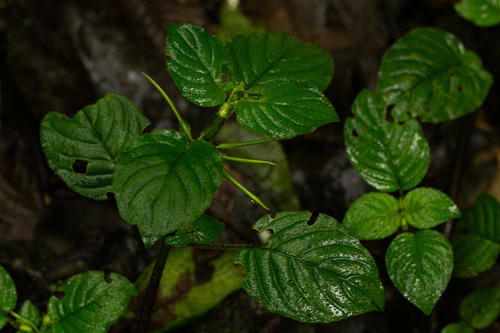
(388, 155)
(91, 303)
(205, 229)
(311, 273)
(196, 63)
(83, 150)
(8, 295)
(481, 308)
(426, 208)
(473, 254)
(420, 266)
(483, 219)
(428, 73)
(483, 13)
(162, 182)
(373, 216)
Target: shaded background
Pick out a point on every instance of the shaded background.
(64, 55)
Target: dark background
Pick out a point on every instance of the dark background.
(64, 55)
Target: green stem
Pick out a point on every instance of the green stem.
(211, 131)
(246, 160)
(223, 247)
(23, 321)
(245, 190)
(232, 145)
(183, 125)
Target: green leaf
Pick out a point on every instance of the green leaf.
(196, 63)
(426, 208)
(473, 254)
(261, 58)
(484, 13)
(82, 150)
(312, 273)
(457, 328)
(387, 155)
(373, 216)
(205, 229)
(428, 73)
(162, 182)
(8, 295)
(285, 110)
(30, 312)
(483, 219)
(481, 308)
(420, 267)
(90, 304)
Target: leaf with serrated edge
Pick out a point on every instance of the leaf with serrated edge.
(373, 216)
(312, 273)
(387, 155)
(163, 182)
(205, 229)
(429, 74)
(484, 13)
(426, 208)
(196, 63)
(8, 295)
(90, 303)
(96, 134)
(420, 267)
(473, 254)
(481, 308)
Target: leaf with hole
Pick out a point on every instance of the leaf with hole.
(387, 155)
(312, 273)
(163, 182)
(83, 150)
(195, 63)
(481, 308)
(8, 295)
(429, 74)
(484, 13)
(205, 229)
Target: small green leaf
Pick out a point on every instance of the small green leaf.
(481, 308)
(457, 328)
(483, 219)
(373, 216)
(205, 229)
(162, 182)
(312, 273)
(196, 63)
(30, 312)
(387, 155)
(83, 150)
(426, 208)
(420, 267)
(428, 73)
(8, 295)
(484, 13)
(90, 304)
(473, 254)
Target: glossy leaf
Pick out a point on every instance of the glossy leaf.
(312, 273)
(91, 303)
(30, 312)
(285, 110)
(484, 13)
(373, 216)
(426, 208)
(481, 308)
(8, 295)
(457, 328)
(428, 73)
(82, 150)
(205, 229)
(163, 182)
(387, 155)
(420, 267)
(195, 63)
(473, 254)
(483, 219)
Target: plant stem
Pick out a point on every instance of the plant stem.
(223, 247)
(232, 145)
(244, 189)
(246, 160)
(154, 282)
(211, 131)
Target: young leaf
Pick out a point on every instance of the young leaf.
(205, 229)
(373, 216)
(312, 273)
(484, 13)
(481, 308)
(196, 60)
(473, 254)
(387, 155)
(457, 328)
(426, 208)
(8, 295)
(428, 73)
(82, 150)
(90, 304)
(162, 182)
(420, 267)
(30, 312)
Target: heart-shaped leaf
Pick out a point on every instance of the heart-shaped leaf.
(205, 229)
(162, 182)
(373, 216)
(90, 304)
(483, 13)
(481, 308)
(195, 63)
(426, 208)
(8, 296)
(473, 254)
(428, 73)
(83, 150)
(420, 266)
(312, 273)
(388, 155)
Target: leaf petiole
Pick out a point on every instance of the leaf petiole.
(246, 160)
(244, 189)
(232, 145)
